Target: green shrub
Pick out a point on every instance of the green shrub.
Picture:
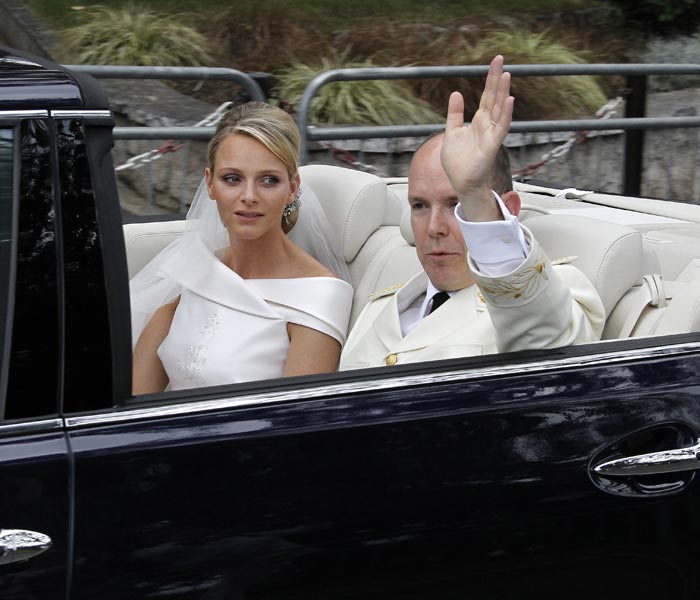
(354, 102)
(475, 43)
(535, 97)
(133, 35)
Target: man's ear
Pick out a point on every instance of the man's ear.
(512, 201)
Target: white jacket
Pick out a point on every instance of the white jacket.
(535, 306)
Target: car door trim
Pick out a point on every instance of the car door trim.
(30, 427)
(375, 384)
(91, 117)
(71, 114)
(14, 114)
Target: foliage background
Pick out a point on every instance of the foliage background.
(294, 39)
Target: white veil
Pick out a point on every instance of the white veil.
(152, 288)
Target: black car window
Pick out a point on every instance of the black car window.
(34, 357)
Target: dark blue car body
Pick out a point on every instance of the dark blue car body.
(465, 478)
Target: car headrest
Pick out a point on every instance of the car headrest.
(609, 254)
(405, 226)
(354, 201)
(394, 207)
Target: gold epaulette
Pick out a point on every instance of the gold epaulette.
(385, 292)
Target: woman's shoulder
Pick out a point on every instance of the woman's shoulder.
(306, 266)
(304, 291)
(321, 303)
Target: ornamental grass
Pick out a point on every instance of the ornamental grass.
(536, 97)
(134, 35)
(380, 102)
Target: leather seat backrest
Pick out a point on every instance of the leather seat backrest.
(609, 254)
(364, 216)
(144, 240)
(354, 202)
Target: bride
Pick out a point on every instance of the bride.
(235, 298)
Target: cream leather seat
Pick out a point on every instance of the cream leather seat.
(658, 307)
(364, 216)
(626, 272)
(372, 224)
(609, 254)
(144, 240)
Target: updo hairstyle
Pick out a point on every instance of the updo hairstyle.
(271, 126)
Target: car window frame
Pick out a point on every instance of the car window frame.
(9, 121)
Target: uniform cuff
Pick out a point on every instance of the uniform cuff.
(494, 242)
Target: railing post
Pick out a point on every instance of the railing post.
(635, 107)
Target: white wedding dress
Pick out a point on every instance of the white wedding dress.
(227, 329)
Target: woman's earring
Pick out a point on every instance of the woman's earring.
(292, 207)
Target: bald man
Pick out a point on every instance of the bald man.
(486, 285)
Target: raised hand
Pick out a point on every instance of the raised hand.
(468, 153)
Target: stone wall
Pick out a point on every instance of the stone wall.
(168, 183)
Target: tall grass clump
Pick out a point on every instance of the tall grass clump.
(133, 35)
(476, 42)
(354, 102)
(535, 97)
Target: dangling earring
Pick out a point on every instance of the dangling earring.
(292, 207)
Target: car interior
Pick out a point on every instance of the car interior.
(642, 255)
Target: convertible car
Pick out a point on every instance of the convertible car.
(564, 473)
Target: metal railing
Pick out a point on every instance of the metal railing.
(634, 123)
(246, 80)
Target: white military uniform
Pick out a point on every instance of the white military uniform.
(536, 305)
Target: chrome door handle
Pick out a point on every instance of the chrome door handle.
(20, 544)
(654, 463)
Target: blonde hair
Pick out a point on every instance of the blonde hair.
(271, 126)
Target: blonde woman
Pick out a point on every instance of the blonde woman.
(236, 299)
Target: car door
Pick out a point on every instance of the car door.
(462, 478)
(34, 468)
